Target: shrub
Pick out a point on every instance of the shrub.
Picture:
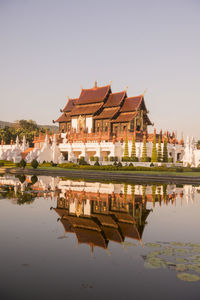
(179, 169)
(22, 178)
(126, 158)
(91, 158)
(34, 179)
(106, 158)
(119, 164)
(1, 164)
(96, 158)
(82, 161)
(53, 164)
(154, 157)
(151, 164)
(22, 163)
(170, 159)
(144, 149)
(130, 165)
(165, 151)
(159, 150)
(97, 163)
(34, 164)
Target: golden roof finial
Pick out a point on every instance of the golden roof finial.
(126, 88)
(144, 92)
(95, 84)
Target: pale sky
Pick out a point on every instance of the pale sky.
(50, 48)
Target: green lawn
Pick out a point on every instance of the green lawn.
(194, 174)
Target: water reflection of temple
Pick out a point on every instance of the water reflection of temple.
(97, 218)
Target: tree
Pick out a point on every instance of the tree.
(34, 179)
(154, 156)
(126, 153)
(34, 164)
(159, 150)
(144, 149)
(165, 151)
(133, 149)
(22, 163)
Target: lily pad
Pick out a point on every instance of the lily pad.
(181, 267)
(188, 277)
(128, 244)
(181, 260)
(152, 245)
(178, 244)
(194, 267)
(181, 251)
(155, 263)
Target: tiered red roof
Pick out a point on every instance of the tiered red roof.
(125, 117)
(115, 99)
(94, 95)
(86, 109)
(70, 104)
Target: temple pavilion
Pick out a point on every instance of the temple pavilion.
(98, 109)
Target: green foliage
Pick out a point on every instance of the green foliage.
(159, 150)
(113, 158)
(165, 151)
(133, 149)
(126, 153)
(91, 158)
(21, 178)
(96, 158)
(127, 158)
(170, 159)
(1, 164)
(154, 157)
(96, 163)
(34, 179)
(22, 128)
(144, 149)
(82, 161)
(22, 164)
(106, 158)
(34, 164)
(53, 164)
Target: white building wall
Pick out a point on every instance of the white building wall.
(75, 123)
(88, 124)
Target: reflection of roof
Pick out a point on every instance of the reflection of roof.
(63, 118)
(67, 225)
(123, 217)
(125, 117)
(129, 230)
(112, 234)
(105, 220)
(94, 95)
(92, 237)
(61, 212)
(82, 223)
(107, 113)
(70, 104)
(86, 109)
(115, 99)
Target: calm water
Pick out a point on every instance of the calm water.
(87, 240)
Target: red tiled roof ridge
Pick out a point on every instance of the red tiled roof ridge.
(96, 88)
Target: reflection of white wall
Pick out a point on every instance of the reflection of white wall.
(87, 208)
(72, 207)
(74, 123)
(89, 124)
